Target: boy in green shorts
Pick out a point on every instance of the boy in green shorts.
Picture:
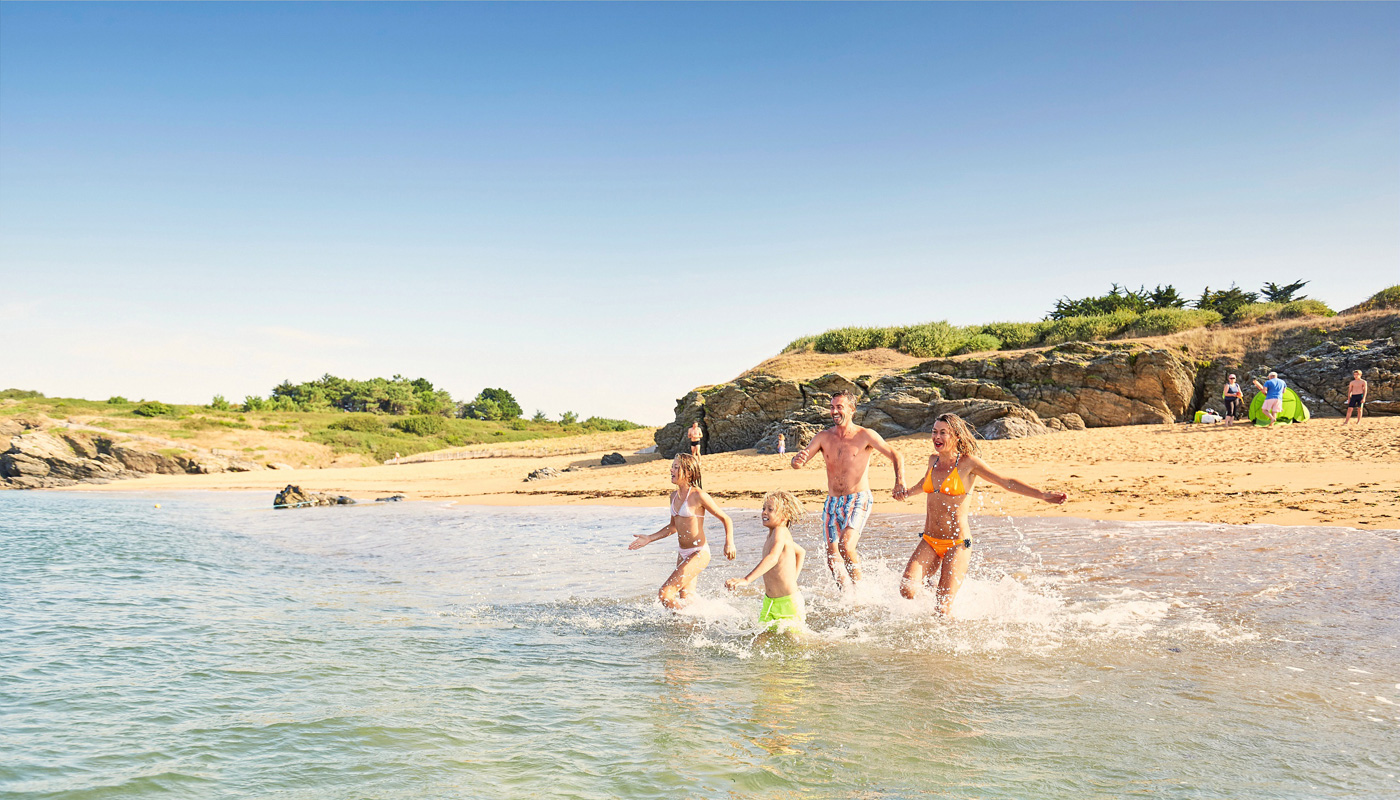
(783, 607)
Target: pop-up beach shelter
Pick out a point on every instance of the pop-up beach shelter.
(1293, 409)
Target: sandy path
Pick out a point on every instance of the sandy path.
(1312, 474)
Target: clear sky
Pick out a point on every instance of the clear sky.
(601, 206)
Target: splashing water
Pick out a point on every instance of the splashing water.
(218, 649)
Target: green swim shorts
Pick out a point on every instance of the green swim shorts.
(776, 610)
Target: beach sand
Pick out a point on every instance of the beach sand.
(1316, 473)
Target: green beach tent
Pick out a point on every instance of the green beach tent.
(1293, 409)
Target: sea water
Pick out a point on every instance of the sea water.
(213, 647)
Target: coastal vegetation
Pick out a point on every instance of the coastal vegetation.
(301, 426)
(1120, 313)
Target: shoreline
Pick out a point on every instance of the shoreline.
(1313, 474)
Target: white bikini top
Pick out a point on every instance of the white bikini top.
(685, 506)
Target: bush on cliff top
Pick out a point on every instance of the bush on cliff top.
(151, 408)
(1162, 321)
(1388, 297)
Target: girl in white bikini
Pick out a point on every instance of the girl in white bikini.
(688, 506)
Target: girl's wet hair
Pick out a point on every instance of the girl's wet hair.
(786, 504)
(690, 468)
(964, 439)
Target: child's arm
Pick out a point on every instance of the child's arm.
(708, 503)
(644, 539)
(769, 560)
(1013, 485)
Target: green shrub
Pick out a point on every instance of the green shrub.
(802, 344)
(1306, 308)
(605, 424)
(931, 340)
(218, 403)
(152, 408)
(568, 418)
(980, 342)
(20, 394)
(1089, 329)
(364, 423)
(1388, 297)
(1015, 335)
(1226, 302)
(1254, 312)
(1162, 321)
(849, 340)
(426, 425)
(253, 403)
(117, 400)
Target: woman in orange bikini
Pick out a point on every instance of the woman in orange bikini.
(943, 550)
(688, 506)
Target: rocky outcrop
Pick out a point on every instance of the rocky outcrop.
(542, 474)
(1064, 388)
(296, 497)
(613, 459)
(38, 458)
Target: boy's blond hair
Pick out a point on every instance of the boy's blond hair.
(690, 468)
(786, 504)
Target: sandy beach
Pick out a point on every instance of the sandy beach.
(1317, 473)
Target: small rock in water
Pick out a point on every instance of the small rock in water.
(295, 497)
(613, 458)
(391, 499)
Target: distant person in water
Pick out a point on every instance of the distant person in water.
(782, 444)
(783, 608)
(847, 448)
(689, 504)
(1273, 396)
(694, 435)
(1356, 397)
(1234, 398)
(943, 548)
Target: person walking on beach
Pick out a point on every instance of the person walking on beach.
(846, 449)
(1234, 399)
(1273, 396)
(783, 608)
(689, 504)
(944, 547)
(1356, 396)
(694, 435)
(782, 444)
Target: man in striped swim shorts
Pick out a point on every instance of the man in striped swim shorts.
(846, 449)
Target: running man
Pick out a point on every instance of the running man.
(1356, 396)
(846, 449)
(1273, 396)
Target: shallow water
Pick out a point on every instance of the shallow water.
(216, 648)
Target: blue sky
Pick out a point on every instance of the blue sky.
(600, 206)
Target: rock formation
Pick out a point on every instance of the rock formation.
(1068, 387)
(613, 459)
(296, 497)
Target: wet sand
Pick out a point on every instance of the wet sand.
(1316, 473)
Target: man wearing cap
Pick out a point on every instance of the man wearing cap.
(1273, 396)
(1234, 398)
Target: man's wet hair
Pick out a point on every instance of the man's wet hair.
(848, 394)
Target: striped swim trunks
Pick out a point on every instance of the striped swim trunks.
(846, 511)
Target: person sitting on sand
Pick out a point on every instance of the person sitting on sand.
(1273, 396)
(783, 607)
(1233, 397)
(1356, 396)
(688, 506)
(943, 548)
(693, 434)
(847, 448)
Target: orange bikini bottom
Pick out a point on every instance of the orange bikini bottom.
(942, 546)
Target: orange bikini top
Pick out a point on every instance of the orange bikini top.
(952, 485)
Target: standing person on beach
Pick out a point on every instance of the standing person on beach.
(1234, 398)
(694, 435)
(688, 506)
(1273, 396)
(944, 546)
(783, 608)
(846, 449)
(1356, 396)
(782, 444)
